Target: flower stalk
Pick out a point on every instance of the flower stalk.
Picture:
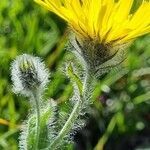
(36, 99)
(68, 125)
(82, 99)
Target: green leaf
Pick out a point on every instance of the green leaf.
(73, 76)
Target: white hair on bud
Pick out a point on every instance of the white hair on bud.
(28, 73)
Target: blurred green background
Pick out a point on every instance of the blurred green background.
(120, 115)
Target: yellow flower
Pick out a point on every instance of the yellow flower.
(104, 20)
(103, 28)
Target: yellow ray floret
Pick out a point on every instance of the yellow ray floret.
(104, 20)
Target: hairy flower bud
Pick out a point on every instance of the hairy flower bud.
(28, 74)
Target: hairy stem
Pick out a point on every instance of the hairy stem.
(37, 107)
(68, 125)
(73, 116)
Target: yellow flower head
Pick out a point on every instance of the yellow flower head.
(105, 20)
(105, 24)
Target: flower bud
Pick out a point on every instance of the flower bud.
(28, 74)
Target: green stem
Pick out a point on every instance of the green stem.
(68, 125)
(74, 114)
(37, 107)
(104, 138)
